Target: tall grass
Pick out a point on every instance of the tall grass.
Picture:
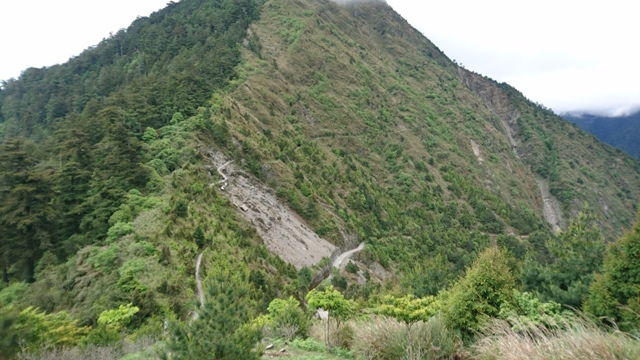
(143, 348)
(577, 338)
(387, 339)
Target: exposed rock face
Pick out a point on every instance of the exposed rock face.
(283, 231)
(476, 151)
(498, 102)
(550, 206)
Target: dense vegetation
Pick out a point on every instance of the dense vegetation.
(620, 132)
(358, 123)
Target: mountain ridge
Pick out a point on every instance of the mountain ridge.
(618, 131)
(361, 127)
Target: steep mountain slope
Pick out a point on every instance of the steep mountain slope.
(358, 81)
(346, 114)
(621, 132)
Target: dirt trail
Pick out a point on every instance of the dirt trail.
(283, 231)
(346, 255)
(224, 177)
(199, 285)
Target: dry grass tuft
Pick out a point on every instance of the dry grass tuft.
(577, 339)
(387, 339)
(92, 352)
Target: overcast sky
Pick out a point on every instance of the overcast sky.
(568, 55)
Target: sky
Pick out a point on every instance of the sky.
(571, 56)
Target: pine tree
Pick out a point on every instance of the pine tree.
(221, 330)
(577, 253)
(25, 206)
(488, 284)
(615, 294)
(117, 169)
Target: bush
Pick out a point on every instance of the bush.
(487, 285)
(352, 268)
(13, 293)
(222, 329)
(287, 320)
(578, 339)
(387, 339)
(41, 330)
(308, 345)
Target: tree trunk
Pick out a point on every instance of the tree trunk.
(326, 333)
(410, 342)
(5, 275)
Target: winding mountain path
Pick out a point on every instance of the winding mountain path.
(199, 284)
(346, 255)
(224, 177)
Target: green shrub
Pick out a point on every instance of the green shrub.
(487, 285)
(287, 319)
(615, 294)
(118, 230)
(13, 293)
(308, 345)
(48, 330)
(222, 329)
(352, 268)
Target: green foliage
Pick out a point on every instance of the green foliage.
(118, 318)
(527, 312)
(38, 330)
(352, 268)
(331, 300)
(221, 330)
(12, 294)
(369, 137)
(118, 230)
(576, 254)
(84, 176)
(149, 135)
(287, 319)
(614, 295)
(487, 285)
(408, 310)
(309, 345)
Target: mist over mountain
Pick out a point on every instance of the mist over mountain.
(251, 161)
(622, 131)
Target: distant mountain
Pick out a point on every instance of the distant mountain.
(621, 132)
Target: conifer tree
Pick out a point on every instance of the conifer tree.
(615, 294)
(25, 206)
(576, 254)
(488, 284)
(221, 330)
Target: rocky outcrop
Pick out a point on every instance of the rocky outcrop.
(498, 102)
(283, 231)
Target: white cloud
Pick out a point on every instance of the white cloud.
(39, 33)
(569, 55)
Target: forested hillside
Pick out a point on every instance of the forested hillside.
(121, 166)
(621, 132)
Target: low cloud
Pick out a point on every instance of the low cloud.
(351, 2)
(623, 111)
